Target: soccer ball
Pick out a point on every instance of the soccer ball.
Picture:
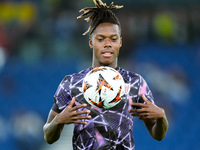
(103, 87)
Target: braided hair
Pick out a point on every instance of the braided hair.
(99, 14)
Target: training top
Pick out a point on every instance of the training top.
(108, 129)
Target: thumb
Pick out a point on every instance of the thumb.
(145, 99)
(72, 103)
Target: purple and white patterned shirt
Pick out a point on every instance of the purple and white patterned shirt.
(108, 129)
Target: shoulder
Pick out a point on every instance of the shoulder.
(75, 76)
(129, 76)
(70, 80)
(68, 88)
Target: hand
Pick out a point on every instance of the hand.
(147, 111)
(71, 114)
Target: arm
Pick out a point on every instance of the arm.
(158, 127)
(153, 117)
(52, 129)
(56, 121)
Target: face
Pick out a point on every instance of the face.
(105, 42)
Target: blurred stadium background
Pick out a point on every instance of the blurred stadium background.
(41, 41)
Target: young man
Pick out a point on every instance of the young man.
(104, 129)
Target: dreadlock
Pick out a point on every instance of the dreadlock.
(99, 14)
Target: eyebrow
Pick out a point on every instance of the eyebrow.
(112, 35)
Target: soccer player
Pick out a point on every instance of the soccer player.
(104, 129)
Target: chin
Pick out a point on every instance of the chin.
(105, 63)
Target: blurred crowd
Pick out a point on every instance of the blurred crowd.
(33, 30)
(38, 38)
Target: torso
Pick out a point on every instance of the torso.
(108, 128)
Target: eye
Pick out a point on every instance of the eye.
(100, 39)
(114, 39)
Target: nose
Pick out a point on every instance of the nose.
(107, 43)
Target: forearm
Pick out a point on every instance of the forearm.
(52, 131)
(159, 129)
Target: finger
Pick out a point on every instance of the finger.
(80, 122)
(133, 111)
(80, 117)
(145, 99)
(138, 114)
(137, 111)
(78, 107)
(82, 112)
(72, 103)
(142, 114)
(137, 104)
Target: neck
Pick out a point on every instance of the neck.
(112, 65)
(109, 65)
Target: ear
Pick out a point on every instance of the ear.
(90, 43)
(120, 41)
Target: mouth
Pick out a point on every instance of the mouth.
(107, 54)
